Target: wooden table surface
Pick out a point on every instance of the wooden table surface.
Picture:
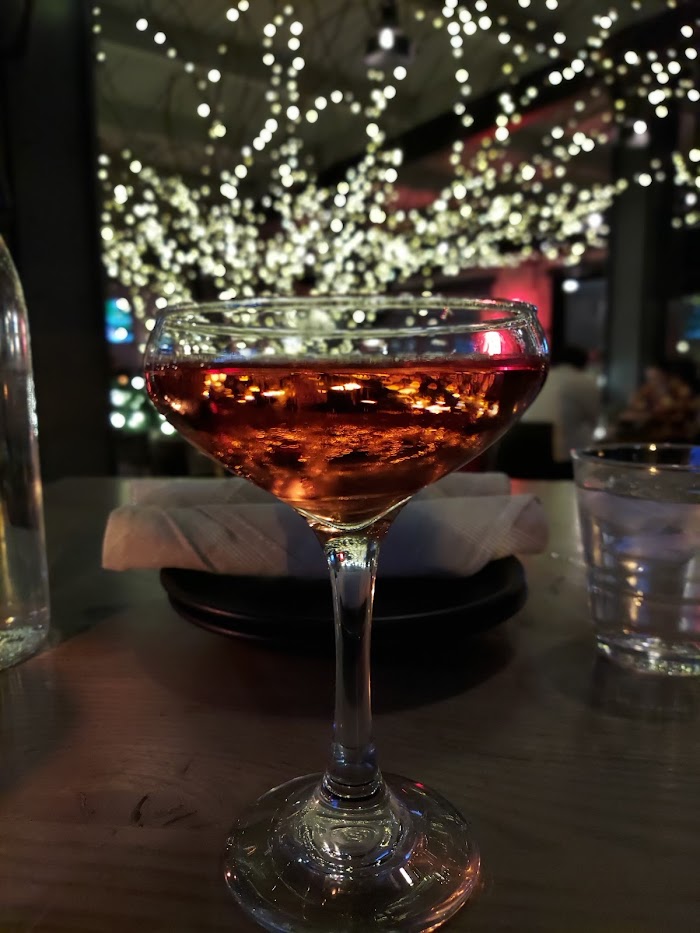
(131, 742)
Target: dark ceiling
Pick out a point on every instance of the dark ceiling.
(148, 93)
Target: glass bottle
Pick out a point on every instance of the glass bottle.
(24, 586)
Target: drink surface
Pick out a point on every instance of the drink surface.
(344, 443)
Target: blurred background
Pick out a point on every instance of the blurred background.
(547, 150)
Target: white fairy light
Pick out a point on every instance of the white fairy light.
(159, 233)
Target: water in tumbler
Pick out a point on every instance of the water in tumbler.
(642, 547)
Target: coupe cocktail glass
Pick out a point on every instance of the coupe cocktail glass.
(344, 408)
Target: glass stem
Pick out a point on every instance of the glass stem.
(352, 773)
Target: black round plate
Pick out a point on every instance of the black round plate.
(293, 610)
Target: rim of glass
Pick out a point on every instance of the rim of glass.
(597, 455)
(514, 313)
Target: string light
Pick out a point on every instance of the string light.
(160, 234)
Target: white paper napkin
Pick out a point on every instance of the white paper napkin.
(455, 526)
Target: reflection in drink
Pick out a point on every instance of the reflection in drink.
(302, 433)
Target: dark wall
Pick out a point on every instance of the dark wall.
(643, 257)
(48, 214)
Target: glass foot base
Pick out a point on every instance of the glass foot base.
(652, 655)
(405, 862)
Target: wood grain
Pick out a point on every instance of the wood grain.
(133, 740)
